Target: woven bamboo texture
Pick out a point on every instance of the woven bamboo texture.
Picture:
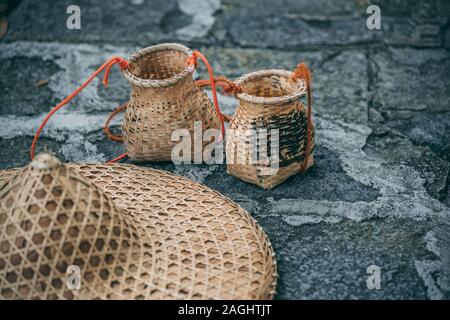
(135, 233)
(164, 98)
(269, 100)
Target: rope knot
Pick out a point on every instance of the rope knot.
(123, 64)
(302, 72)
(193, 59)
(232, 87)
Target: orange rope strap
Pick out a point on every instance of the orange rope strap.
(302, 72)
(108, 133)
(228, 87)
(193, 60)
(123, 64)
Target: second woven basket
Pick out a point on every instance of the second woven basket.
(270, 100)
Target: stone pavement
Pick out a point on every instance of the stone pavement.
(381, 108)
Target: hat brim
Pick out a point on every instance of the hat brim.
(203, 245)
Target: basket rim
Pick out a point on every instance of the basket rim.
(153, 83)
(269, 100)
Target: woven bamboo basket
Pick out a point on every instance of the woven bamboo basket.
(134, 233)
(164, 98)
(270, 99)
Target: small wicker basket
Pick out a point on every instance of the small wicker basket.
(164, 98)
(270, 100)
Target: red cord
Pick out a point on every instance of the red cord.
(107, 65)
(106, 130)
(123, 155)
(193, 60)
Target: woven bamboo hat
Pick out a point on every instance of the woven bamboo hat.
(134, 233)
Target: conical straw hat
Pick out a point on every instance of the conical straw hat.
(134, 233)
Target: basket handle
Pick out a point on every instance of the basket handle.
(106, 129)
(123, 64)
(212, 82)
(227, 86)
(302, 72)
